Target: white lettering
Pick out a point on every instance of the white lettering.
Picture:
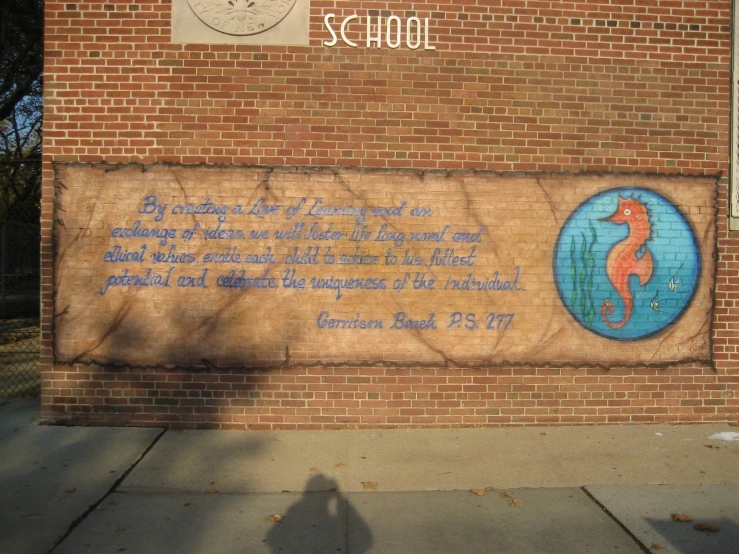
(416, 31)
(426, 45)
(389, 33)
(326, 22)
(370, 39)
(343, 31)
(409, 33)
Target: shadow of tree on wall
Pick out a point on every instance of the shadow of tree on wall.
(215, 389)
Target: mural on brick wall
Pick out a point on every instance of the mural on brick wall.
(258, 267)
(627, 263)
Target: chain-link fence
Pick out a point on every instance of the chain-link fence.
(21, 130)
(19, 309)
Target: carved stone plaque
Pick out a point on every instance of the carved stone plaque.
(241, 17)
(267, 22)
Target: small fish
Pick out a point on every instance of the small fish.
(673, 284)
(654, 303)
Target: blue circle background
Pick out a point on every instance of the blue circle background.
(673, 244)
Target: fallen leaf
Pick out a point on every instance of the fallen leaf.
(69, 491)
(712, 446)
(706, 527)
(211, 491)
(508, 494)
(515, 503)
(211, 483)
(542, 434)
(734, 424)
(277, 518)
(186, 504)
(681, 517)
(120, 529)
(370, 484)
(656, 546)
(478, 492)
(313, 469)
(340, 465)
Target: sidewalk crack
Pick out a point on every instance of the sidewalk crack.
(111, 490)
(641, 545)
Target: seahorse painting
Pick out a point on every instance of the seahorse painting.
(628, 257)
(610, 237)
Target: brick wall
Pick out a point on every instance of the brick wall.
(547, 86)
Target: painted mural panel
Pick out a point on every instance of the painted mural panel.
(258, 267)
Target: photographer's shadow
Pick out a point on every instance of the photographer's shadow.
(322, 521)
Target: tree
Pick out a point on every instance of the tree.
(21, 102)
(21, 57)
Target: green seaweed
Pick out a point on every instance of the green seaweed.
(583, 274)
(573, 273)
(591, 264)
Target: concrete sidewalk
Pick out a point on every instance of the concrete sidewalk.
(566, 489)
(49, 476)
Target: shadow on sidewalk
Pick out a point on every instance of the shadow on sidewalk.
(50, 476)
(322, 521)
(683, 537)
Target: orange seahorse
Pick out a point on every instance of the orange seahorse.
(622, 262)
